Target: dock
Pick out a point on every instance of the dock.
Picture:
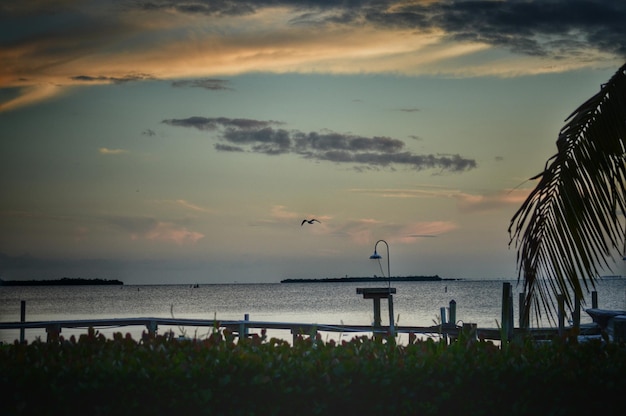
(447, 329)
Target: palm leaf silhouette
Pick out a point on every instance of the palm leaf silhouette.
(571, 224)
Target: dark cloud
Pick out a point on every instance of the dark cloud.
(208, 7)
(540, 27)
(204, 123)
(262, 137)
(207, 84)
(228, 148)
(265, 140)
(116, 80)
(148, 132)
(552, 28)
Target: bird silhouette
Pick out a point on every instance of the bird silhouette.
(309, 221)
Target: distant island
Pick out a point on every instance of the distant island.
(66, 281)
(368, 279)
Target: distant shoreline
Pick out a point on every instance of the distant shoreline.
(368, 279)
(66, 281)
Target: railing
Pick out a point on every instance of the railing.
(447, 329)
(241, 327)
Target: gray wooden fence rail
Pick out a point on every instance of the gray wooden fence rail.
(242, 327)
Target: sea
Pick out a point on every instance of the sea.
(322, 303)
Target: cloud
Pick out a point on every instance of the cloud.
(189, 205)
(362, 231)
(147, 228)
(107, 151)
(207, 84)
(116, 80)
(259, 136)
(228, 148)
(424, 229)
(204, 123)
(280, 212)
(168, 232)
(533, 27)
(148, 132)
(49, 46)
(474, 203)
(466, 202)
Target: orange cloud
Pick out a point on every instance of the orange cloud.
(473, 202)
(170, 233)
(191, 206)
(107, 151)
(466, 201)
(177, 45)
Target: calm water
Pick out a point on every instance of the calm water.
(416, 303)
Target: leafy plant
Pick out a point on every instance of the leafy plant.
(224, 375)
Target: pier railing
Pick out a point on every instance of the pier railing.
(241, 328)
(447, 329)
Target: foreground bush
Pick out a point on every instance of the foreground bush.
(218, 376)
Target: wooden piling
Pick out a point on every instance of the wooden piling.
(392, 330)
(376, 294)
(152, 328)
(53, 332)
(22, 319)
(452, 308)
(594, 300)
(444, 323)
(523, 316)
(560, 298)
(243, 327)
(576, 315)
(507, 311)
(442, 312)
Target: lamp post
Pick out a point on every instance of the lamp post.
(389, 296)
(377, 256)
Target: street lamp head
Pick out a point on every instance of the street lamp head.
(375, 256)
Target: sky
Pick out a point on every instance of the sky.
(163, 142)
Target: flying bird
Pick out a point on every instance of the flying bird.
(309, 221)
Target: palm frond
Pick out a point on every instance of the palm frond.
(571, 224)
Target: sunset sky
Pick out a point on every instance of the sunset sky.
(166, 141)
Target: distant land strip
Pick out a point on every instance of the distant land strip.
(66, 281)
(435, 278)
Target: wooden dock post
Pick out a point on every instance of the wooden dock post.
(452, 308)
(523, 317)
(376, 294)
(392, 326)
(442, 312)
(243, 328)
(560, 298)
(444, 321)
(507, 311)
(22, 319)
(152, 328)
(53, 332)
(576, 316)
(594, 300)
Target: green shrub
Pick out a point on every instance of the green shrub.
(220, 376)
